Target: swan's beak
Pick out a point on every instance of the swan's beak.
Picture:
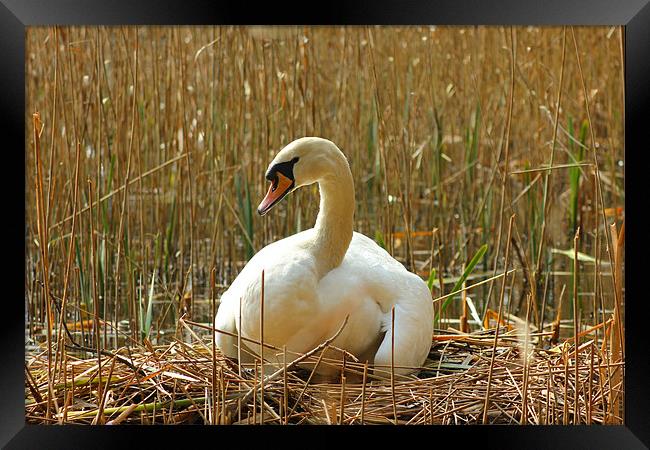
(278, 189)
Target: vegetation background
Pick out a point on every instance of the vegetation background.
(145, 163)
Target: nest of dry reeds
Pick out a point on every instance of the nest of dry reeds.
(467, 379)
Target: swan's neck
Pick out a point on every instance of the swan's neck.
(334, 223)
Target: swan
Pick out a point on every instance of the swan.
(317, 277)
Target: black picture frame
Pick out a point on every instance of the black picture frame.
(16, 15)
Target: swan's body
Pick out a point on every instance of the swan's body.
(315, 278)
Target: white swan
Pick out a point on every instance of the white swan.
(317, 277)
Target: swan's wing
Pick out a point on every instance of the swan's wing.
(290, 297)
(381, 279)
(227, 318)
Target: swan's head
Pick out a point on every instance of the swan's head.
(304, 161)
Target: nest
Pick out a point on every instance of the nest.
(467, 379)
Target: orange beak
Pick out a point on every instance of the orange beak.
(278, 189)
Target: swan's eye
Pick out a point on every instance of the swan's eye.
(283, 168)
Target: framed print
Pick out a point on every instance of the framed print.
(397, 215)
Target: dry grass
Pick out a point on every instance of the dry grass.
(145, 157)
(173, 384)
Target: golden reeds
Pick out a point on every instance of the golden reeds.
(173, 391)
(450, 129)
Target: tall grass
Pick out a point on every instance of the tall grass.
(441, 125)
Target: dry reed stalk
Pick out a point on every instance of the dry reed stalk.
(255, 396)
(188, 167)
(464, 325)
(617, 343)
(566, 358)
(239, 337)
(590, 391)
(50, 187)
(68, 401)
(506, 164)
(214, 350)
(285, 391)
(342, 401)
(96, 333)
(127, 175)
(363, 392)
(441, 284)
(547, 177)
(618, 240)
(262, 376)
(69, 258)
(43, 241)
(238, 355)
(381, 131)
(496, 332)
(556, 323)
(576, 323)
(392, 359)
(598, 299)
(98, 167)
(99, 418)
(123, 415)
(548, 394)
(525, 359)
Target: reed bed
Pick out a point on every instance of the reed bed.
(189, 383)
(488, 160)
